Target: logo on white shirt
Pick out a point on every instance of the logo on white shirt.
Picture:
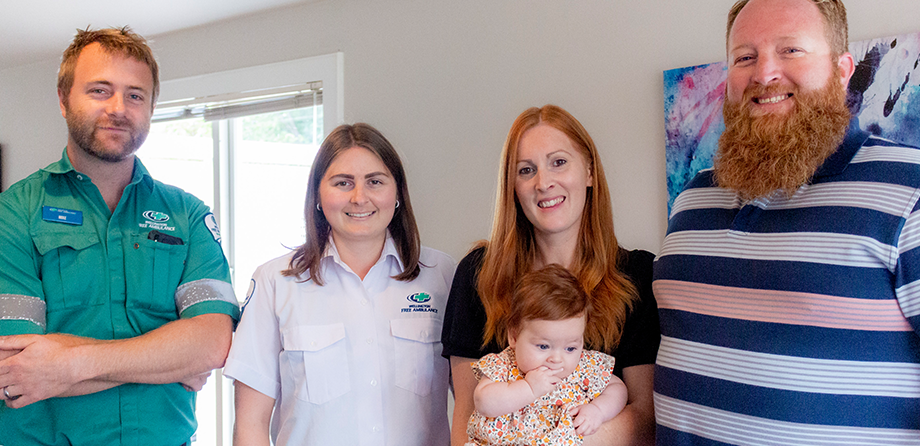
(419, 306)
(419, 298)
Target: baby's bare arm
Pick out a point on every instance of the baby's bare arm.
(589, 417)
(494, 399)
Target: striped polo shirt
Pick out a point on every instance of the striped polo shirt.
(794, 320)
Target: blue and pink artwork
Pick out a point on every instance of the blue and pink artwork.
(884, 93)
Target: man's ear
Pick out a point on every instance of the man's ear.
(846, 66)
(62, 101)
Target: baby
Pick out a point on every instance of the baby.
(544, 388)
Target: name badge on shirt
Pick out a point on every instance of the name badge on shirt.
(59, 215)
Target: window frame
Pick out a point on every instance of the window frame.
(327, 69)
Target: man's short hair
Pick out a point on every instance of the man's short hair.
(122, 41)
(835, 22)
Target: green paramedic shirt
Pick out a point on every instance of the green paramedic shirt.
(68, 265)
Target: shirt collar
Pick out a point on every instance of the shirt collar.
(838, 161)
(389, 250)
(64, 166)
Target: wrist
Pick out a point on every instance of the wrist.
(529, 388)
(80, 363)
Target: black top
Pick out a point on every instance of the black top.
(465, 317)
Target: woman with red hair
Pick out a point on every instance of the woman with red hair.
(553, 206)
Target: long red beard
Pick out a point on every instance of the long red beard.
(759, 155)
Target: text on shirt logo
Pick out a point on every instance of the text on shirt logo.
(156, 220)
(419, 298)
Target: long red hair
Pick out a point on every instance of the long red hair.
(511, 251)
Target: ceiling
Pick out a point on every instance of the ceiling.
(38, 30)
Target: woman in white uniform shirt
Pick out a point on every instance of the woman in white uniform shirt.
(339, 342)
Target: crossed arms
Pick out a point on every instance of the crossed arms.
(39, 367)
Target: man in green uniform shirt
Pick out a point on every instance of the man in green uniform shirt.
(115, 297)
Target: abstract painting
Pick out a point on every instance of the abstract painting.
(884, 94)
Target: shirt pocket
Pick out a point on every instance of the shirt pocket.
(318, 358)
(72, 263)
(152, 273)
(414, 346)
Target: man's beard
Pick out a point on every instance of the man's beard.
(83, 130)
(759, 155)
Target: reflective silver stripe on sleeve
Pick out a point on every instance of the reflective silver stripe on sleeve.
(204, 290)
(22, 308)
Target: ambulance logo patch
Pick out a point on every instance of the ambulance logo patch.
(211, 224)
(156, 220)
(156, 217)
(419, 298)
(252, 289)
(418, 304)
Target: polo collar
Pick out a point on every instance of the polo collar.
(839, 160)
(64, 166)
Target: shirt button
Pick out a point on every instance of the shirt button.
(376, 429)
(374, 382)
(369, 341)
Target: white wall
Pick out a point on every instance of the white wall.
(444, 80)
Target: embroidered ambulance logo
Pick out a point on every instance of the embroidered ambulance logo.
(156, 220)
(419, 298)
(252, 289)
(155, 216)
(418, 304)
(211, 223)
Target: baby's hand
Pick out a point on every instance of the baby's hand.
(588, 418)
(542, 380)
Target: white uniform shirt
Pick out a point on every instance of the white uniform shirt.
(349, 362)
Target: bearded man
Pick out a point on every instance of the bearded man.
(789, 282)
(115, 297)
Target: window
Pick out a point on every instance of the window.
(243, 141)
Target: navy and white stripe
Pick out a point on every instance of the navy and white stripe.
(681, 422)
(794, 320)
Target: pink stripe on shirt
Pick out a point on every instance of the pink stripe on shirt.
(781, 307)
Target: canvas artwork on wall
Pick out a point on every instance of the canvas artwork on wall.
(884, 94)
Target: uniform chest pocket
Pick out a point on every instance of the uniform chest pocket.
(318, 361)
(152, 273)
(414, 345)
(73, 271)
